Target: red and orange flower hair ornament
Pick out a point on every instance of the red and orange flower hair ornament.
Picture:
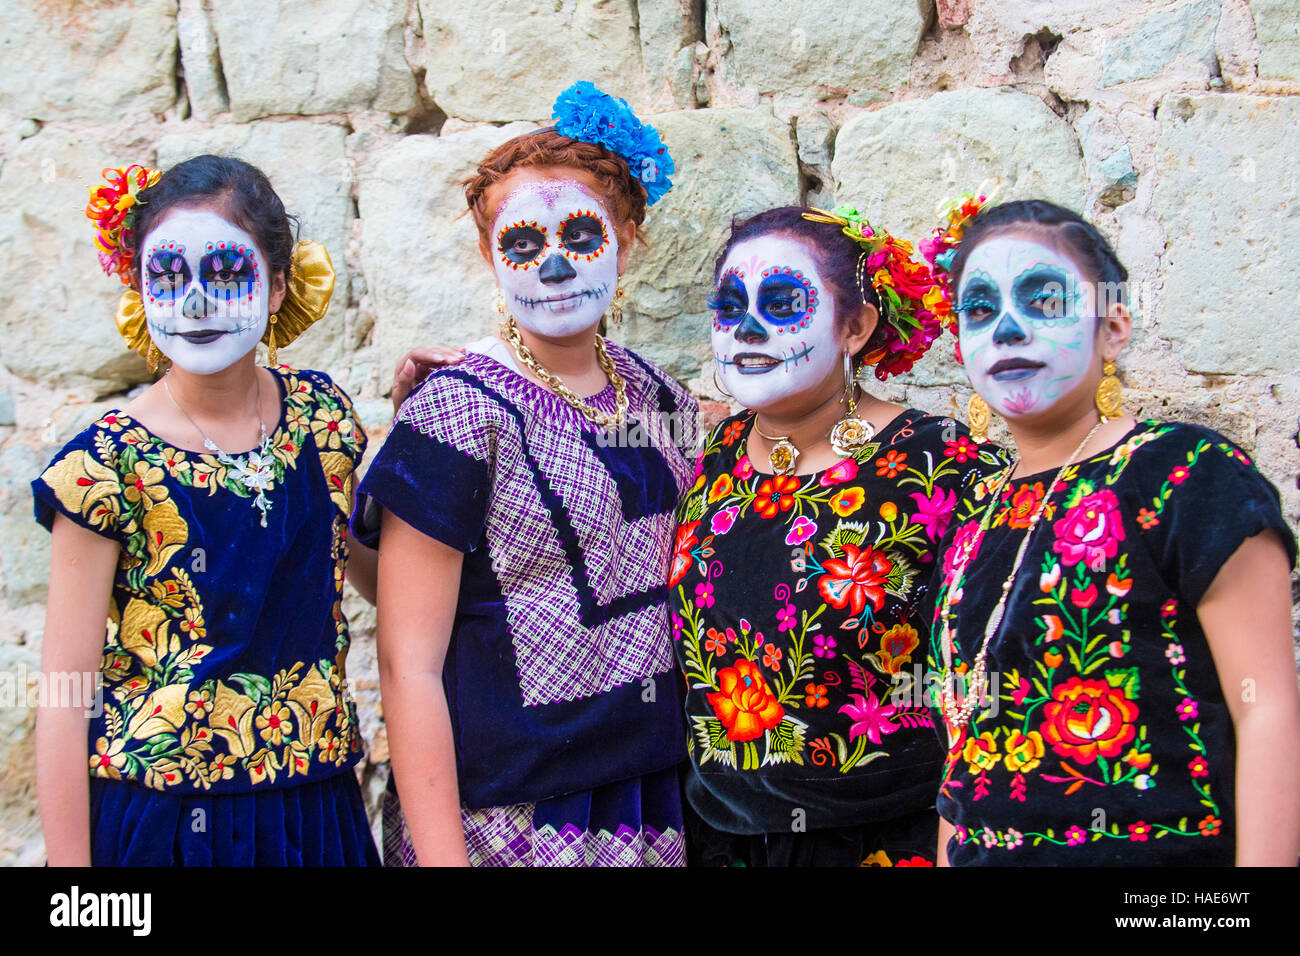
(908, 292)
(112, 208)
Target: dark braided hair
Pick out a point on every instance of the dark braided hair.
(242, 193)
(1080, 238)
(836, 256)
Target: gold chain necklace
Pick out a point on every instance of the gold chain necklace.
(958, 715)
(510, 332)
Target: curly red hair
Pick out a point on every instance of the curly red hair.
(624, 196)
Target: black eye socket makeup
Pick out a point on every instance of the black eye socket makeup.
(729, 301)
(521, 244)
(1044, 293)
(583, 234)
(980, 301)
(167, 274)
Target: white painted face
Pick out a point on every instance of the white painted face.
(556, 256)
(204, 286)
(1026, 325)
(773, 322)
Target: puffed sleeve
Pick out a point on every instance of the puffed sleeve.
(83, 484)
(435, 468)
(1200, 498)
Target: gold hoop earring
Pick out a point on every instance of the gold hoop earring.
(270, 342)
(153, 358)
(1110, 392)
(977, 418)
(850, 434)
(616, 307)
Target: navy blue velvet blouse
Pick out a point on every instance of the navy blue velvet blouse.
(223, 664)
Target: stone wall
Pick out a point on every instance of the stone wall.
(1170, 123)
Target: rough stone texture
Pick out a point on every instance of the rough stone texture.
(886, 161)
(43, 190)
(307, 165)
(790, 45)
(87, 61)
(20, 833)
(298, 56)
(730, 163)
(501, 60)
(668, 31)
(1158, 39)
(419, 253)
(1112, 180)
(205, 85)
(24, 545)
(1277, 25)
(1225, 169)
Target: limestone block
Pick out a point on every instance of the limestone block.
(789, 45)
(1156, 40)
(56, 313)
(306, 57)
(898, 163)
(506, 60)
(201, 60)
(307, 165)
(1277, 25)
(1112, 178)
(1226, 180)
(419, 248)
(86, 62)
(24, 545)
(730, 162)
(668, 31)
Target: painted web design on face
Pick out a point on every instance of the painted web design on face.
(1022, 308)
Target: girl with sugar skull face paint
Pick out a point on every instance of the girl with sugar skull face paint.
(206, 520)
(533, 713)
(802, 550)
(1102, 576)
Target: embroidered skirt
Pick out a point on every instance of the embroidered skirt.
(316, 824)
(636, 822)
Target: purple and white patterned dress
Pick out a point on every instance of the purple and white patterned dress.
(564, 698)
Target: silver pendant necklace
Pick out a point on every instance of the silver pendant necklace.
(254, 470)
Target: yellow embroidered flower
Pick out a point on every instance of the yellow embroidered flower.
(193, 624)
(297, 419)
(981, 752)
(143, 485)
(896, 647)
(329, 747)
(167, 593)
(275, 724)
(879, 858)
(220, 768)
(108, 759)
(199, 703)
(174, 460)
(135, 436)
(112, 422)
(1024, 751)
(720, 489)
(331, 428)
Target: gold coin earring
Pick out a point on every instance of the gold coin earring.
(850, 434)
(977, 418)
(270, 342)
(616, 307)
(1110, 392)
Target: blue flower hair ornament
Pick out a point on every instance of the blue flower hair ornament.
(585, 113)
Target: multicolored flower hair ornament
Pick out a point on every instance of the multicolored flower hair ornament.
(112, 208)
(956, 214)
(585, 113)
(912, 306)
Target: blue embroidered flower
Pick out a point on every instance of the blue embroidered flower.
(584, 112)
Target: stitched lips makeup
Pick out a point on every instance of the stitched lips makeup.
(203, 289)
(773, 333)
(1021, 311)
(556, 256)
